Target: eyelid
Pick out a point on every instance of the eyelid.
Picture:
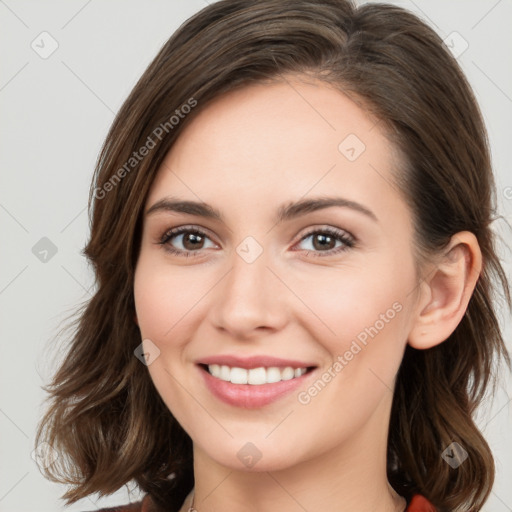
(178, 230)
(348, 240)
(340, 234)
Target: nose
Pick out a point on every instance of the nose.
(250, 300)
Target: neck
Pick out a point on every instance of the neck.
(351, 477)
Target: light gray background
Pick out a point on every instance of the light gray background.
(55, 113)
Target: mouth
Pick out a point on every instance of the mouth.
(255, 376)
(253, 383)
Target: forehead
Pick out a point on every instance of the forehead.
(266, 142)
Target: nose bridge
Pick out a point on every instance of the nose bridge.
(248, 298)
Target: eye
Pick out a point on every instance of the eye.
(323, 241)
(191, 239)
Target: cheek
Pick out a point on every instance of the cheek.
(360, 316)
(153, 306)
(343, 303)
(163, 297)
(361, 322)
(162, 300)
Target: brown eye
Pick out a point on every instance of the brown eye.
(192, 241)
(325, 241)
(322, 241)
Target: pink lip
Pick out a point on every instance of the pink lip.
(248, 396)
(253, 362)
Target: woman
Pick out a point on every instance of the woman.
(295, 268)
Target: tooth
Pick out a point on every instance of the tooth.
(254, 376)
(225, 373)
(288, 373)
(257, 376)
(214, 369)
(238, 376)
(273, 374)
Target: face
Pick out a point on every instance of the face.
(276, 285)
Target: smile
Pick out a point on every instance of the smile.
(254, 376)
(260, 383)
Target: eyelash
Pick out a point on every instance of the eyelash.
(347, 240)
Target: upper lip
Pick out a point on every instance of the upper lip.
(253, 361)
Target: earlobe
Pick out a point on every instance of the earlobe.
(445, 292)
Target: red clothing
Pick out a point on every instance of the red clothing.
(420, 504)
(417, 504)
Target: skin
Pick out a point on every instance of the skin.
(247, 153)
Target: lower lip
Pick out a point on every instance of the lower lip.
(248, 396)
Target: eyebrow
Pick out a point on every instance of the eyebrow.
(285, 212)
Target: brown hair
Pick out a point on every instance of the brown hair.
(106, 418)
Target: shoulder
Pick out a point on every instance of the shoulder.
(420, 504)
(145, 505)
(130, 507)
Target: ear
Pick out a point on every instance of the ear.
(445, 291)
(136, 320)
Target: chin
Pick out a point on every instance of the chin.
(253, 457)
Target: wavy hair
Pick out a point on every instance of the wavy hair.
(105, 417)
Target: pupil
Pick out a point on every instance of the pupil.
(192, 238)
(323, 239)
